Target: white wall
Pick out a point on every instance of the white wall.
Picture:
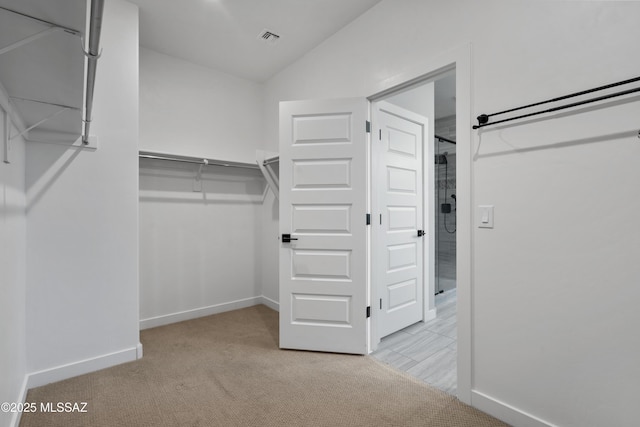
(199, 251)
(192, 110)
(13, 264)
(555, 282)
(417, 100)
(82, 214)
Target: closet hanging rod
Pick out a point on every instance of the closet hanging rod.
(195, 160)
(562, 107)
(95, 28)
(442, 138)
(271, 160)
(483, 119)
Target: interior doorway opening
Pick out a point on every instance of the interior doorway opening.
(427, 349)
(446, 201)
(339, 313)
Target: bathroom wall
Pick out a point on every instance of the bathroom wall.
(445, 239)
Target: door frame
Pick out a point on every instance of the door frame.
(423, 70)
(428, 220)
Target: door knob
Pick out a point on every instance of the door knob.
(286, 238)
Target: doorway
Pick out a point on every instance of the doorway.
(334, 303)
(402, 244)
(427, 349)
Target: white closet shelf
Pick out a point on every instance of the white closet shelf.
(271, 160)
(46, 77)
(154, 155)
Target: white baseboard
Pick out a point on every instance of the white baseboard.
(139, 351)
(22, 397)
(430, 314)
(167, 319)
(59, 373)
(274, 305)
(505, 412)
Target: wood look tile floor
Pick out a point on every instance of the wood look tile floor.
(426, 350)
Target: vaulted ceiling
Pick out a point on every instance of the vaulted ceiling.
(224, 34)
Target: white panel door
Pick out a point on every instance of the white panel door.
(398, 247)
(323, 205)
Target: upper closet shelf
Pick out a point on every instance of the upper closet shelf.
(46, 74)
(271, 160)
(196, 160)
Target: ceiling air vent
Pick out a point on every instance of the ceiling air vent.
(268, 36)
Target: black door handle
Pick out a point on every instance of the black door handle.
(420, 233)
(286, 238)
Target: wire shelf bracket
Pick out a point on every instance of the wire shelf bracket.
(265, 162)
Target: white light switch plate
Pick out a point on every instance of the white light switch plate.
(485, 216)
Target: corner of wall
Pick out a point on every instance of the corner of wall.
(82, 243)
(13, 369)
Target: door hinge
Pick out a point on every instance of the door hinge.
(380, 134)
(368, 311)
(420, 233)
(368, 126)
(368, 219)
(380, 303)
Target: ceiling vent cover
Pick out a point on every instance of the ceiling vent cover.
(268, 36)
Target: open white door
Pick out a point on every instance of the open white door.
(323, 206)
(397, 253)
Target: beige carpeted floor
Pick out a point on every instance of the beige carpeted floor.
(227, 370)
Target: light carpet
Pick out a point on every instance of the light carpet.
(227, 370)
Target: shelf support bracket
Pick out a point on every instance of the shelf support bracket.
(42, 21)
(197, 182)
(46, 119)
(268, 173)
(29, 39)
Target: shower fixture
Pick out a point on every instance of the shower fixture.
(441, 159)
(445, 208)
(455, 202)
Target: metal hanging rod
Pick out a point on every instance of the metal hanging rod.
(275, 159)
(483, 119)
(97, 8)
(195, 160)
(442, 138)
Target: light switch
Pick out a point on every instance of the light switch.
(485, 216)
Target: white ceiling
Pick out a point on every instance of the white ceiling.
(222, 34)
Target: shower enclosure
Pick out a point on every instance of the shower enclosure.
(445, 215)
